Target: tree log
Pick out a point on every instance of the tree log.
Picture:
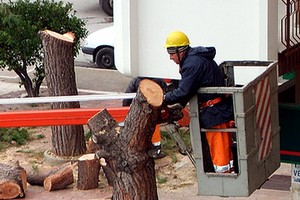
(37, 175)
(61, 179)
(125, 149)
(13, 181)
(61, 81)
(88, 172)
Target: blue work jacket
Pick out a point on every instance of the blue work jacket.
(198, 69)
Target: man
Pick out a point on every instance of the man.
(198, 69)
(132, 87)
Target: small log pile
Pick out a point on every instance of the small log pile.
(13, 182)
(52, 179)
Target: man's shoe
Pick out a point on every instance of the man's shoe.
(155, 152)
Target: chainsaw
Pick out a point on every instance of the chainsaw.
(169, 116)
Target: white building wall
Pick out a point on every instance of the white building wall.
(239, 29)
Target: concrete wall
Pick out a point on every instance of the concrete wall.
(239, 29)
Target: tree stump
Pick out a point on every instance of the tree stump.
(60, 179)
(88, 172)
(13, 181)
(60, 78)
(125, 149)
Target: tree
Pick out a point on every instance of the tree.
(123, 150)
(20, 44)
(60, 78)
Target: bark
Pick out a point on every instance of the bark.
(109, 174)
(12, 181)
(60, 79)
(92, 147)
(61, 179)
(37, 176)
(125, 150)
(88, 172)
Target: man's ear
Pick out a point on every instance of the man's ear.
(182, 54)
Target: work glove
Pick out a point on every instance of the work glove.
(171, 113)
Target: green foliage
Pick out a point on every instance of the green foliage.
(21, 47)
(17, 136)
(40, 136)
(161, 179)
(88, 135)
(20, 136)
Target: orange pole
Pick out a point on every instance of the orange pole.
(75, 116)
(56, 117)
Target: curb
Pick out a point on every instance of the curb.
(53, 160)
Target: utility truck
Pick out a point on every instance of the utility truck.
(251, 39)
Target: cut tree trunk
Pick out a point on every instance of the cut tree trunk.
(13, 181)
(60, 78)
(37, 176)
(125, 150)
(60, 179)
(88, 172)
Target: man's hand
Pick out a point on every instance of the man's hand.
(171, 113)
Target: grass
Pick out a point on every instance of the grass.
(161, 179)
(169, 145)
(16, 136)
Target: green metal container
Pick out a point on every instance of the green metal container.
(289, 121)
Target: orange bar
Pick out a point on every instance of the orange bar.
(77, 116)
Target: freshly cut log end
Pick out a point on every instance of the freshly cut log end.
(68, 37)
(152, 92)
(13, 181)
(85, 157)
(61, 179)
(9, 190)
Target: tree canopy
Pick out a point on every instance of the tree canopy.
(20, 44)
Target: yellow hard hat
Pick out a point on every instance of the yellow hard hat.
(177, 39)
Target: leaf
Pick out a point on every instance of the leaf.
(20, 44)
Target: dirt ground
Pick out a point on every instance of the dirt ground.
(170, 175)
